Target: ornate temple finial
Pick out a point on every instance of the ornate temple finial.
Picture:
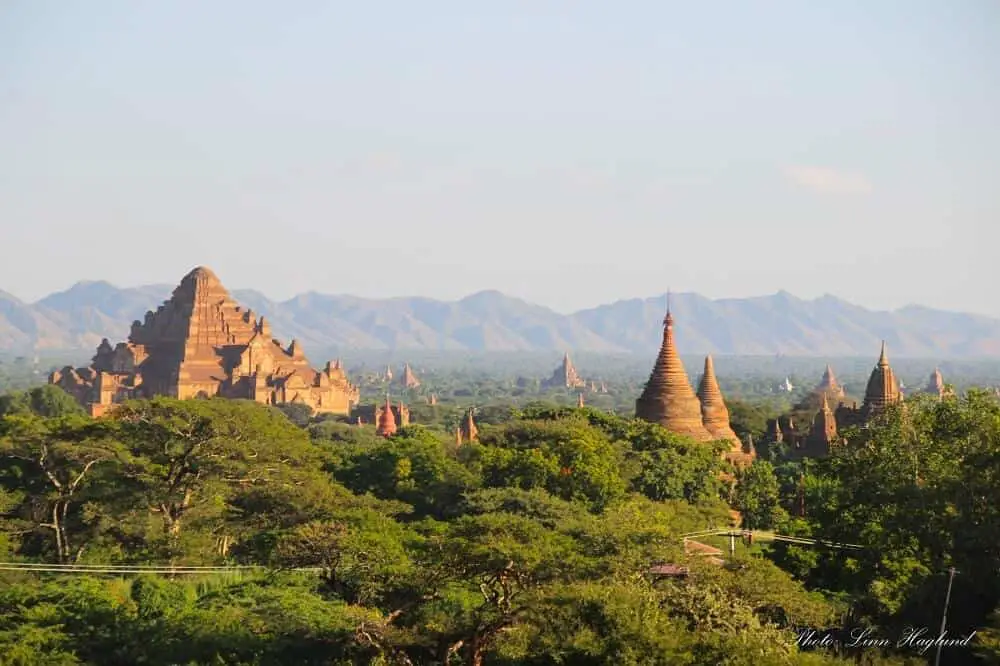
(883, 359)
(668, 319)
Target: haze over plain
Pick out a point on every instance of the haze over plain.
(567, 154)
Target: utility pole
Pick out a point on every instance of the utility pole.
(802, 495)
(944, 614)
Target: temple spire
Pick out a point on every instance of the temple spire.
(715, 414)
(566, 375)
(668, 398)
(883, 387)
(824, 430)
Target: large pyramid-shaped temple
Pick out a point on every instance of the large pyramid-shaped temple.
(202, 343)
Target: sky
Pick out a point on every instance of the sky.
(567, 153)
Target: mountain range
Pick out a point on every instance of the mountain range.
(77, 319)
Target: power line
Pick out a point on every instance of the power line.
(125, 566)
(768, 536)
(27, 567)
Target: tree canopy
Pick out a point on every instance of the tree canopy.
(544, 542)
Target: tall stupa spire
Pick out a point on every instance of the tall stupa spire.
(715, 414)
(668, 398)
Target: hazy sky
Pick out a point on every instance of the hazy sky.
(569, 153)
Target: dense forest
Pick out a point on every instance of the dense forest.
(557, 538)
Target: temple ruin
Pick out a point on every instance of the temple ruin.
(565, 376)
(881, 391)
(936, 385)
(467, 431)
(201, 343)
(409, 378)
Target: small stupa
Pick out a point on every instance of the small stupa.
(386, 420)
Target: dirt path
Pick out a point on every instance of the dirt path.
(713, 554)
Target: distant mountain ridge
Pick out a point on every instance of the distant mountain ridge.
(79, 317)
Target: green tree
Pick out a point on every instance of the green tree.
(918, 489)
(298, 413)
(186, 459)
(52, 464)
(757, 497)
(46, 400)
(415, 467)
(569, 458)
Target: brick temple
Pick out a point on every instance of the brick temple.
(565, 376)
(201, 343)
(881, 391)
